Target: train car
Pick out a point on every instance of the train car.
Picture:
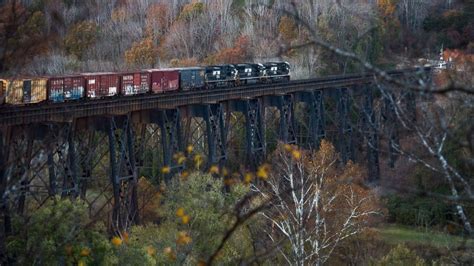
(249, 73)
(220, 76)
(164, 80)
(100, 85)
(134, 83)
(277, 71)
(66, 88)
(26, 91)
(191, 78)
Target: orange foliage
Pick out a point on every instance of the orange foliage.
(287, 29)
(186, 62)
(157, 20)
(240, 52)
(143, 53)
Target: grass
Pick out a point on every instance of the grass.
(396, 234)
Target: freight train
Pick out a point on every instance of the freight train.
(23, 91)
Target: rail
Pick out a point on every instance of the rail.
(46, 111)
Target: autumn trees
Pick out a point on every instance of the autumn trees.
(317, 203)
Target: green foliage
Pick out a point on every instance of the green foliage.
(57, 232)
(418, 211)
(401, 255)
(203, 199)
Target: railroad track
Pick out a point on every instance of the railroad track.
(45, 112)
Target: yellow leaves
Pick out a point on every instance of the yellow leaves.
(198, 161)
(287, 28)
(116, 241)
(248, 177)
(165, 170)
(214, 169)
(184, 175)
(85, 252)
(189, 149)
(179, 158)
(263, 171)
(183, 239)
(151, 251)
(180, 212)
(185, 219)
(296, 154)
(169, 253)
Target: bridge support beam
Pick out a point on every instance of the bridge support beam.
(371, 129)
(285, 105)
(391, 127)
(123, 174)
(345, 142)
(317, 122)
(170, 125)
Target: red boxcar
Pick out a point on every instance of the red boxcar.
(164, 80)
(99, 85)
(134, 83)
(61, 89)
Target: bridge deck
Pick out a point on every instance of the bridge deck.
(63, 112)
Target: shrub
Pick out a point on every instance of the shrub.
(418, 211)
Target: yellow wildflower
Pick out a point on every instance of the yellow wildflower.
(180, 212)
(184, 174)
(81, 263)
(116, 241)
(185, 219)
(287, 147)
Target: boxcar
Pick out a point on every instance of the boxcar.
(25, 91)
(220, 76)
(134, 83)
(191, 78)
(164, 80)
(99, 85)
(66, 88)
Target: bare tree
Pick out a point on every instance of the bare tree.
(317, 203)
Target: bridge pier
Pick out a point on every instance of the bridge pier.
(123, 174)
(314, 101)
(345, 141)
(371, 131)
(287, 128)
(169, 122)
